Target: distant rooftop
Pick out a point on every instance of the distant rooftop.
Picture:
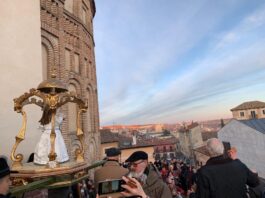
(146, 142)
(129, 126)
(249, 105)
(126, 142)
(189, 127)
(202, 150)
(208, 135)
(257, 124)
(108, 137)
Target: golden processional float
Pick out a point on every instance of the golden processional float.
(50, 95)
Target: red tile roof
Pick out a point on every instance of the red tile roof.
(108, 137)
(126, 142)
(144, 142)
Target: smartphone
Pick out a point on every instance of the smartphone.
(110, 186)
(227, 147)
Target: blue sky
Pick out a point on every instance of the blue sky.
(171, 61)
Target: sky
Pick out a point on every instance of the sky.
(172, 61)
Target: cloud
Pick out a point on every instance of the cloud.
(253, 21)
(242, 70)
(166, 68)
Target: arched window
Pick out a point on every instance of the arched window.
(86, 69)
(90, 74)
(171, 149)
(92, 151)
(84, 14)
(76, 63)
(45, 61)
(67, 59)
(69, 5)
(72, 112)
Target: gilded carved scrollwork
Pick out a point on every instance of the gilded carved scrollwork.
(79, 174)
(71, 97)
(18, 107)
(80, 135)
(19, 182)
(53, 99)
(17, 159)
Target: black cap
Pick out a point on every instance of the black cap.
(137, 155)
(111, 152)
(4, 168)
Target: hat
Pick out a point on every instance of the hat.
(137, 155)
(111, 152)
(4, 168)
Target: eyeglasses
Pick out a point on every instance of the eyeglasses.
(135, 164)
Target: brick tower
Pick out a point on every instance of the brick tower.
(68, 45)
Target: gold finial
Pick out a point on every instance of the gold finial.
(52, 84)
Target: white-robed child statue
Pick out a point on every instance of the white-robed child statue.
(43, 147)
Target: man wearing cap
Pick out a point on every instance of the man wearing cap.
(148, 176)
(4, 178)
(111, 169)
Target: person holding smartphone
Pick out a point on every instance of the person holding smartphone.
(109, 174)
(149, 182)
(133, 188)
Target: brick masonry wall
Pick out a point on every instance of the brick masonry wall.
(61, 30)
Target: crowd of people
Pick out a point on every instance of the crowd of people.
(178, 175)
(223, 176)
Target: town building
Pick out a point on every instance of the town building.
(148, 128)
(248, 137)
(110, 139)
(249, 110)
(190, 138)
(155, 148)
(166, 149)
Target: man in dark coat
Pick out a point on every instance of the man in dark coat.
(4, 178)
(223, 177)
(111, 169)
(148, 176)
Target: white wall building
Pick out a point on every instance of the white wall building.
(21, 69)
(248, 136)
(249, 110)
(190, 138)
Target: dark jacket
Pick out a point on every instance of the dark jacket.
(258, 191)
(155, 187)
(5, 196)
(224, 178)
